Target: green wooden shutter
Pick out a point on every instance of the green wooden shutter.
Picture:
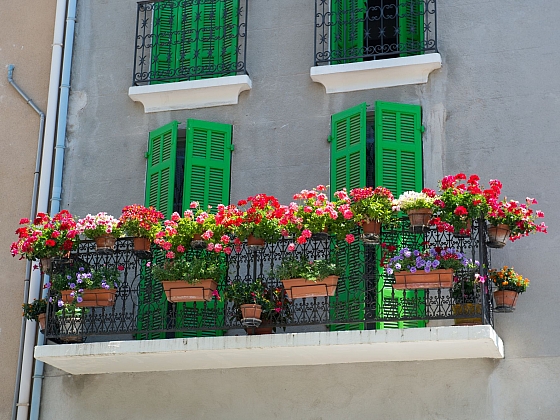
(230, 34)
(166, 18)
(347, 30)
(188, 50)
(398, 166)
(348, 170)
(160, 179)
(207, 180)
(411, 27)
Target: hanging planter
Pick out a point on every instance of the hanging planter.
(183, 291)
(505, 300)
(197, 242)
(45, 264)
(302, 288)
(105, 243)
(250, 310)
(435, 279)
(142, 244)
(462, 309)
(419, 219)
(371, 231)
(92, 297)
(497, 235)
(255, 242)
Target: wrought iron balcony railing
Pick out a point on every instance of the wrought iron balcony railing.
(349, 31)
(365, 296)
(179, 40)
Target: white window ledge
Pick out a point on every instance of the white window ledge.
(190, 94)
(295, 349)
(377, 73)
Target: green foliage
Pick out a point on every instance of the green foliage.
(32, 311)
(292, 268)
(192, 270)
(508, 279)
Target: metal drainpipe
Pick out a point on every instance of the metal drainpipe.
(57, 175)
(22, 410)
(32, 215)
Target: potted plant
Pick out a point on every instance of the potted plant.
(45, 238)
(460, 202)
(141, 223)
(190, 279)
(372, 208)
(302, 277)
(259, 222)
(466, 294)
(513, 220)
(508, 285)
(36, 311)
(83, 287)
(426, 269)
(314, 214)
(70, 318)
(103, 228)
(418, 206)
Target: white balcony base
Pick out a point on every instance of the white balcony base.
(315, 348)
(190, 94)
(376, 74)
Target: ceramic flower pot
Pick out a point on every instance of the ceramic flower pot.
(92, 298)
(505, 300)
(183, 291)
(42, 319)
(142, 244)
(105, 243)
(251, 310)
(435, 279)
(497, 236)
(419, 219)
(302, 288)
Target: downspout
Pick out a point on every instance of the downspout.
(33, 212)
(22, 410)
(57, 175)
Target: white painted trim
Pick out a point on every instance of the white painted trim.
(190, 94)
(314, 348)
(376, 74)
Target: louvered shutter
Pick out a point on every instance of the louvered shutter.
(411, 27)
(160, 179)
(188, 50)
(348, 170)
(398, 166)
(207, 180)
(165, 54)
(230, 34)
(347, 30)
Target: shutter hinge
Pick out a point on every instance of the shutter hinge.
(329, 139)
(147, 155)
(232, 147)
(422, 128)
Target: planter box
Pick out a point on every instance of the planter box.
(92, 298)
(472, 309)
(302, 288)
(435, 279)
(182, 291)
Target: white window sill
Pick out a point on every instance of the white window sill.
(293, 349)
(376, 74)
(190, 94)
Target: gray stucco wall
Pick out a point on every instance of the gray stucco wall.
(490, 110)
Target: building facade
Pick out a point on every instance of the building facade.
(288, 84)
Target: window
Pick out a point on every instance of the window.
(202, 153)
(390, 157)
(194, 40)
(374, 29)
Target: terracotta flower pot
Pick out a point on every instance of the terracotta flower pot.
(197, 242)
(105, 243)
(435, 279)
(45, 264)
(497, 236)
(468, 309)
(505, 300)
(254, 241)
(302, 288)
(419, 219)
(142, 244)
(42, 319)
(373, 227)
(92, 298)
(251, 310)
(183, 291)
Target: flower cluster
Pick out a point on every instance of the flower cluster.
(314, 213)
(99, 225)
(370, 204)
(260, 218)
(412, 200)
(31, 311)
(433, 258)
(140, 221)
(519, 217)
(508, 279)
(46, 237)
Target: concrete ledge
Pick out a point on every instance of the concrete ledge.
(190, 94)
(376, 74)
(315, 348)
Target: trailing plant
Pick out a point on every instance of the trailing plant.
(520, 218)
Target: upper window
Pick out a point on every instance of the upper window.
(181, 40)
(348, 31)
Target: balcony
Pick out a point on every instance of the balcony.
(366, 320)
(189, 54)
(381, 44)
